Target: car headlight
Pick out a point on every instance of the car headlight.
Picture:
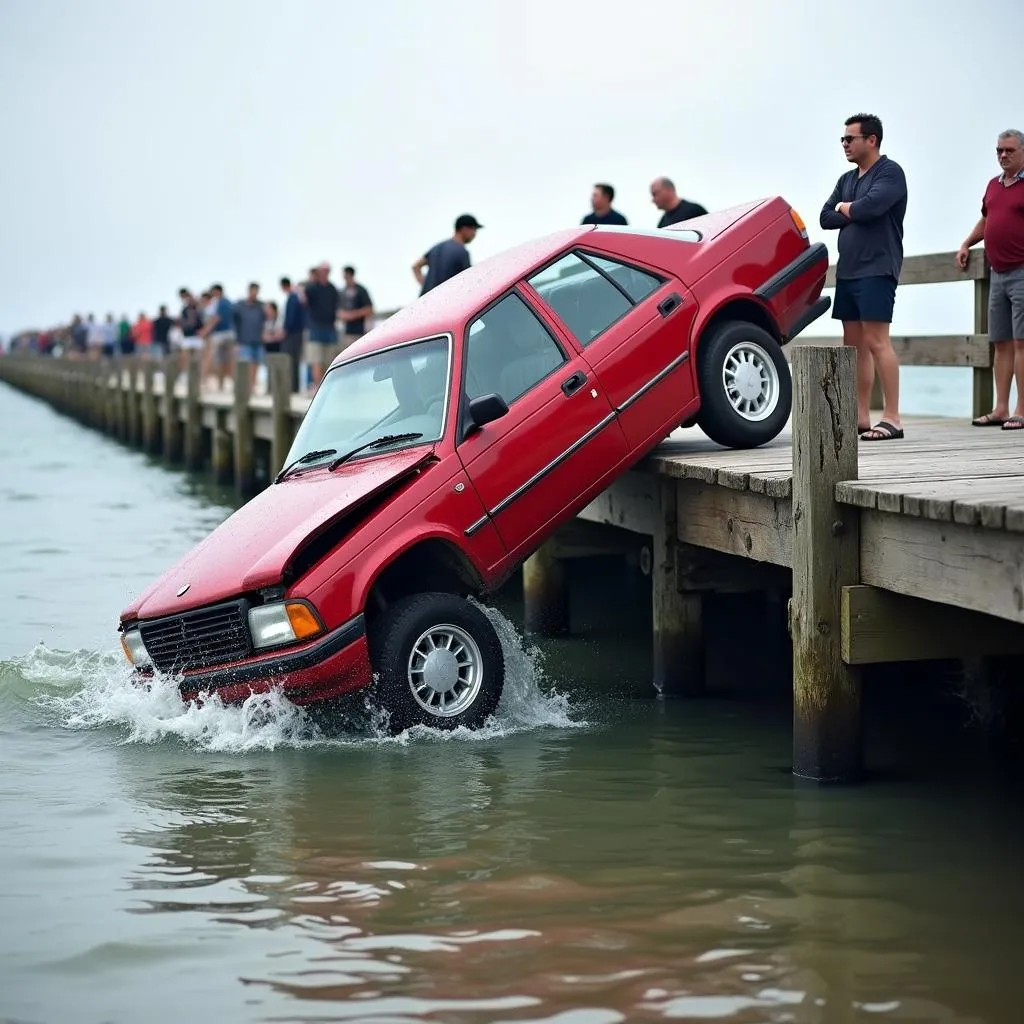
(282, 623)
(134, 649)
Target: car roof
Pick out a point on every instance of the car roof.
(446, 307)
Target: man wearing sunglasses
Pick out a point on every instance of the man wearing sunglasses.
(1002, 229)
(867, 206)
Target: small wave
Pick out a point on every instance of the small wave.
(89, 690)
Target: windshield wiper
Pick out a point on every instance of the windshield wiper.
(320, 453)
(376, 442)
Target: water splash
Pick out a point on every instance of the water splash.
(83, 690)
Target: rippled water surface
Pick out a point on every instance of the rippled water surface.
(592, 857)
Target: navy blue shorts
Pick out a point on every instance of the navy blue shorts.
(864, 298)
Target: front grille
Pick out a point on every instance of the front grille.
(200, 638)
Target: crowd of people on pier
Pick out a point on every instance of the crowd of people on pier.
(314, 319)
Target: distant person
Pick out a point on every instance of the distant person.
(162, 325)
(322, 309)
(448, 258)
(674, 208)
(125, 341)
(249, 316)
(601, 204)
(293, 322)
(190, 321)
(867, 206)
(95, 337)
(273, 331)
(356, 308)
(219, 332)
(142, 335)
(1002, 229)
(109, 336)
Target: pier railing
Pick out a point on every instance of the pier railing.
(973, 350)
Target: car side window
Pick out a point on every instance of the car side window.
(508, 351)
(590, 295)
(637, 283)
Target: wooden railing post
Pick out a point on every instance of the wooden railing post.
(982, 383)
(245, 461)
(826, 557)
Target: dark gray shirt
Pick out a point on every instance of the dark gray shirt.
(249, 320)
(444, 260)
(871, 238)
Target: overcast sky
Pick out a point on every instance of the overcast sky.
(144, 146)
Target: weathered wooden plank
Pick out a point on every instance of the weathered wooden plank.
(923, 350)
(934, 268)
(879, 626)
(735, 522)
(826, 547)
(982, 570)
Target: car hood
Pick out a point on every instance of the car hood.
(254, 545)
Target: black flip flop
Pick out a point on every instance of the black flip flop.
(987, 420)
(886, 429)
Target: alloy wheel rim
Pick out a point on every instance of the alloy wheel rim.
(445, 670)
(751, 381)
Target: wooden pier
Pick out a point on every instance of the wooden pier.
(880, 552)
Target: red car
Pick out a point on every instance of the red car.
(445, 446)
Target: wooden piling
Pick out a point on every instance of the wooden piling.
(826, 557)
(678, 619)
(193, 415)
(545, 593)
(133, 404)
(279, 377)
(150, 420)
(222, 451)
(245, 461)
(172, 423)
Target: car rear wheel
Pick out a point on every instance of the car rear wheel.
(745, 385)
(437, 661)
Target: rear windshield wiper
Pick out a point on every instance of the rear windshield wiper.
(319, 453)
(375, 443)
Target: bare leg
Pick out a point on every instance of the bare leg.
(1018, 374)
(876, 337)
(853, 334)
(1002, 377)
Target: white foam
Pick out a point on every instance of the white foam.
(89, 690)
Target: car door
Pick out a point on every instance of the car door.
(560, 436)
(633, 326)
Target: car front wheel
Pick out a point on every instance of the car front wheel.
(745, 385)
(437, 661)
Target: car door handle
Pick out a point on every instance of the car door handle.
(673, 301)
(575, 382)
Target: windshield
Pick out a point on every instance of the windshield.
(402, 390)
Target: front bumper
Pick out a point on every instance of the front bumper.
(332, 665)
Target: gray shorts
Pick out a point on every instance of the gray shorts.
(1006, 306)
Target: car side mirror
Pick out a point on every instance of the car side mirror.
(487, 408)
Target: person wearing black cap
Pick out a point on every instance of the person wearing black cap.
(447, 258)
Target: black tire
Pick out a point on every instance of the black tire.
(718, 417)
(476, 649)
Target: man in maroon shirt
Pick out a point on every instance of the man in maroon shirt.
(1002, 228)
